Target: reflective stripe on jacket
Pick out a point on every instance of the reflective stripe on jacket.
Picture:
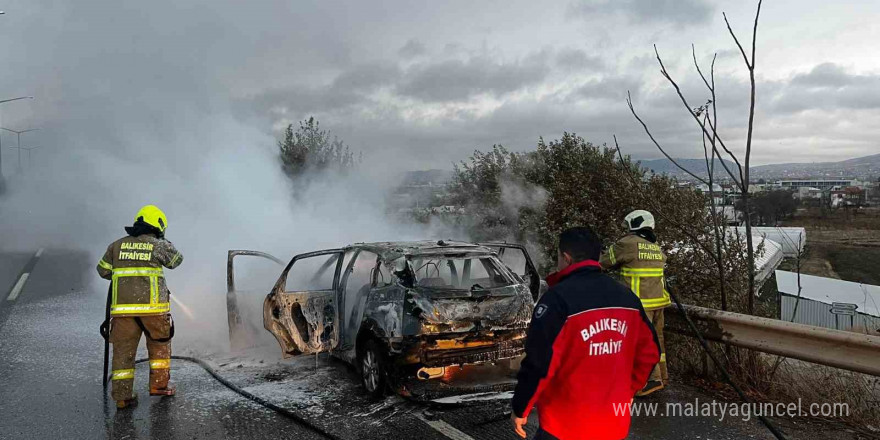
(641, 265)
(134, 266)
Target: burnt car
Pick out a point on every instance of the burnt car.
(402, 309)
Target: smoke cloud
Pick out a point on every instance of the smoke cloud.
(135, 108)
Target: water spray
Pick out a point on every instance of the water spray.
(183, 307)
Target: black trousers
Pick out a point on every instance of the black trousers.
(543, 435)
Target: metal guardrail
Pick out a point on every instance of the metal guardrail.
(834, 348)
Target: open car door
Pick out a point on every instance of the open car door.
(302, 312)
(517, 259)
(242, 333)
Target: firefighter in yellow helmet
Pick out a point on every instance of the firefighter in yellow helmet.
(140, 303)
(641, 263)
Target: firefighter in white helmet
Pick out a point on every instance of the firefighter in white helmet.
(640, 261)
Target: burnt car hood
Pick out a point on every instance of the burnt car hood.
(455, 311)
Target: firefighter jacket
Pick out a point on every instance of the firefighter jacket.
(134, 267)
(641, 264)
(589, 348)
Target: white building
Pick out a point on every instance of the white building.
(717, 192)
(728, 214)
(808, 193)
(792, 239)
(829, 303)
(823, 184)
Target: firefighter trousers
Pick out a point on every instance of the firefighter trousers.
(659, 373)
(125, 335)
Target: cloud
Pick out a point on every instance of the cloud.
(412, 49)
(455, 79)
(612, 87)
(827, 87)
(677, 12)
(824, 75)
(577, 60)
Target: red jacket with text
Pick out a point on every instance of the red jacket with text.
(589, 348)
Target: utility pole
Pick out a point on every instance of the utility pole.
(1, 156)
(18, 144)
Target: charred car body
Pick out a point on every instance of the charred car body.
(402, 309)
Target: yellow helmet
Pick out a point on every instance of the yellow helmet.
(152, 216)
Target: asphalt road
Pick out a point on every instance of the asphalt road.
(50, 387)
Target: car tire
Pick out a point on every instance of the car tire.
(373, 370)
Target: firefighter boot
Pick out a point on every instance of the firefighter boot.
(127, 403)
(168, 390)
(651, 387)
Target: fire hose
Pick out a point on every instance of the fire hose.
(250, 396)
(105, 333)
(292, 415)
(311, 426)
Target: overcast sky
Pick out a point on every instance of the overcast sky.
(423, 84)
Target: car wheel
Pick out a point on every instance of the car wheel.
(372, 369)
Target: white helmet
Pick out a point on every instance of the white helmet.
(639, 219)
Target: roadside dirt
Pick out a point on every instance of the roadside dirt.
(842, 246)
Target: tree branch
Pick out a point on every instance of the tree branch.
(697, 65)
(671, 220)
(736, 40)
(693, 114)
(648, 131)
(715, 137)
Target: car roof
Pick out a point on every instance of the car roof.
(390, 250)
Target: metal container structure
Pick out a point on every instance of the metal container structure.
(829, 303)
(792, 239)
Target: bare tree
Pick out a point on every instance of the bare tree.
(706, 117)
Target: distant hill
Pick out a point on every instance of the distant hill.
(696, 166)
(861, 167)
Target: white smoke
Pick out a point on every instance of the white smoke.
(517, 194)
(221, 187)
(137, 106)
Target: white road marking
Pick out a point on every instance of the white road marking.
(18, 286)
(505, 395)
(445, 428)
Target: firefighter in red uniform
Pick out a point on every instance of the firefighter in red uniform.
(589, 349)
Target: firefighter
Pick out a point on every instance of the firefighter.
(140, 303)
(641, 263)
(589, 349)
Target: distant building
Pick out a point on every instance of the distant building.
(728, 215)
(873, 193)
(829, 303)
(808, 193)
(717, 192)
(820, 183)
(849, 196)
(760, 187)
(791, 240)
